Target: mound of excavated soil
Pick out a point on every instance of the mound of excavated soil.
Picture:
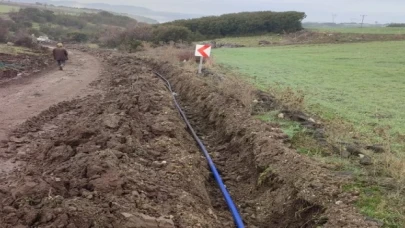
(125, 159)
(121, 160)
(12, 66)
(274, 185)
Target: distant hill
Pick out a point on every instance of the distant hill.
(133, 11)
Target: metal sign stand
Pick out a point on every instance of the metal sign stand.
(201, 65)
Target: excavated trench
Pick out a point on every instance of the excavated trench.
(125, 158)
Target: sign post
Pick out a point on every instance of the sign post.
(203, 51)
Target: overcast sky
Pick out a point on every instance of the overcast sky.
(382, 11)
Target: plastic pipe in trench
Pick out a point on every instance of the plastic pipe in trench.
(231, 205)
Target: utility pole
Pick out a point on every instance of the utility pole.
(362, 20)
(334, 17)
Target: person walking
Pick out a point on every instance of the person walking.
(60, 55)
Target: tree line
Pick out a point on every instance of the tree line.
(116, 31)
(68, 27)
(70, 20)
(396, 25)
(242, 24)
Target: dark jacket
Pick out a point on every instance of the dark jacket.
(60, 54)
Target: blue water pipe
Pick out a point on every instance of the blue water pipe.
(231, 205)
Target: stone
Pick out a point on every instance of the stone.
(354, 150)
(112, 121)
(379, 223)
(159, 164)
(71, 208)
(8, 209)
(30, 217)
(127, 215)
(366, 160)
(142, 220)
(345, 154)
(17, 140)
(376, 148)
(339, 202)
(71, 225)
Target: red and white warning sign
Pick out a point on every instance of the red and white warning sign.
(203, 50)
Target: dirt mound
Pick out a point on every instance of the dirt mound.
(123, 159)
(22, 65)
(274, 185)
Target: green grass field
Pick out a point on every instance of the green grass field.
(13, 50)
(7, 8)
(367, 30)
(363, 82)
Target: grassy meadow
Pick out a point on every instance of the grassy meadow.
(14, 50)
(362, 82)
(7, 8)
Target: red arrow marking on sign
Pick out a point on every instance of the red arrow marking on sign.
(202, 50)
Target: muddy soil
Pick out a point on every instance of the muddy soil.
(23, 65)
(119, 159)
(124, 158)
(27, 97)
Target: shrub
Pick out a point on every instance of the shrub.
(3, 34)
(185, 55)
(139, 31)
(27, 24)
(4, 28)
(133, 45)
(25, 40)
(129, 39)
(78, 37)
(111, 37)
(169, 33)
(54, 32)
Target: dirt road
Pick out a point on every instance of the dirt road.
(27, 98)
